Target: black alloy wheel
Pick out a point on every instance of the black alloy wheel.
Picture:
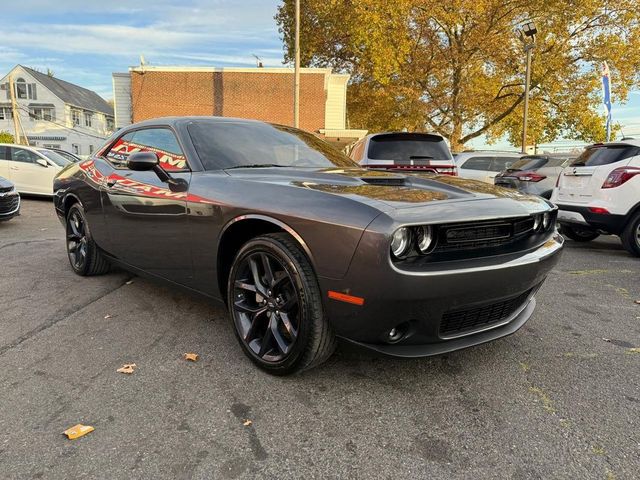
(631, 235)
(274, 300)
(84, 256)
(578, 234)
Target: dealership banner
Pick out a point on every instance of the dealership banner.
(606, 96)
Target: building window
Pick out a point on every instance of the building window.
(42, 113)
(90, 149)
(6, 113)
(25, 90)
(75, 148)
(110, 124)
(88, 117)
(75, 117)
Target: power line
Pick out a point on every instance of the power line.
(62, 126)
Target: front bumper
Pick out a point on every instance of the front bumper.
(492, 296)
(9, 205)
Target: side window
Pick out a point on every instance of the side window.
(4, 153)
(477, 163)
(498, 164)
(161, 141)
(22, 155)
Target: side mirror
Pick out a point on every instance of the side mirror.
(42, 162)
(142, 161)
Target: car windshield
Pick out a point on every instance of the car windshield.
(405, 147)
(54, 157)
(529, 163)
(604, 155)
(222, 145)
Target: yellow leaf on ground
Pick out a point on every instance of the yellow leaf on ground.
(192, 357)
(633, 350)
(247, 423)
(107, 316)
(126, 368)
(77, 431)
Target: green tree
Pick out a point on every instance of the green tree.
(457, 67)
(6, 137)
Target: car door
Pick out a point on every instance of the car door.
(28, 175)
(4, 161)
(146, 219)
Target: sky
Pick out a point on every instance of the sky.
(85, 41)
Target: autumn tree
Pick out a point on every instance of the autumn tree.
(6, 137)
(457, 66)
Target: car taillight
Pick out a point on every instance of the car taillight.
(529, 176)
(619, 176)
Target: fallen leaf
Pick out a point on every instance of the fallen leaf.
(129, 282)
(77, 431)
(107, 316)
(633, 350)
(638, 302)
(247, 423)
(192, 357)
(606, 339)
(126, 368)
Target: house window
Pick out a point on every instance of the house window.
(75, 148)
(90, 149)
(25, 90)
(75, 117)
(42, 113)
(87, 119)
(110, 124)
(6, 113)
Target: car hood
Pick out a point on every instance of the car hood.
(4, 183)
(388, 190)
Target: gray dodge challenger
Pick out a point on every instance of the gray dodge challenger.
(302, 245)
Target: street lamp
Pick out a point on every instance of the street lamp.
(528, 37)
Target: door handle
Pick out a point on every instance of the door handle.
(14, 168)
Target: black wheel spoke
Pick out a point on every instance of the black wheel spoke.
(268, 272)
(265, 343)
(256, 277)
(286, 322)
(243, 285)
(277, 336)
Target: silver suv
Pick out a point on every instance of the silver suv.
(534, 174)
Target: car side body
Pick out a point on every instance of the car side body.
(30, 169)
(484, 165)
(490, 252)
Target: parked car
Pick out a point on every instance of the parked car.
(600, 193)
(305, 246)
(534, 174)
(30, 169)
(484, 165)
(9, 200)
(68, 155)
(404, 151)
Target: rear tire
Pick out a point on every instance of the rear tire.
(85, 257)
(276, 306)
(579, 234)
(631, 236)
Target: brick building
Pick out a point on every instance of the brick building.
(259, 93)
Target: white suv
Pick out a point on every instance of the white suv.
(600, 193)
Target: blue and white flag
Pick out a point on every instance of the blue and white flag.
(606, 97)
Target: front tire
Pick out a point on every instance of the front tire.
(276, 306)
(631, 236)
(84, 255)
(579, 234)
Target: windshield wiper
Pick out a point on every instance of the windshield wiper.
(256, 165)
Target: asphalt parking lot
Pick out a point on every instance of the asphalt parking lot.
(558, 399)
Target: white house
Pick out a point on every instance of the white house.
(55, 113)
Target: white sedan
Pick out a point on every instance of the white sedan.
(31, 169)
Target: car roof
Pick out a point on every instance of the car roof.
(625, 142)
(29, 147)
(371, 135)
(194, 118)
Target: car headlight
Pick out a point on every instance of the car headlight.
(546, 220)
(425, 238)
(401, 242)
(537, 220)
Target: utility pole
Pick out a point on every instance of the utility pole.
(15, 112)
(528, 48)
(296, 89)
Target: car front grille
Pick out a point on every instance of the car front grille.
(459, 322)
(486, 234)
(9, 204)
